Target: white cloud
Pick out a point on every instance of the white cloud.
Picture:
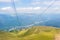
(57, 3)
(36, 8)
(55, 7)
(6, 0)
(36, 3)
(30, 10)
(21, 10)
(6, 8)
(46, 3)
(53, 10)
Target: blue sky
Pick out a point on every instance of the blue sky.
(29, 6)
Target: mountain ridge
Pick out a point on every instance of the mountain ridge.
(31, 33)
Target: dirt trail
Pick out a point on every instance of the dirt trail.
(57, 36)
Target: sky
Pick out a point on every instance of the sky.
(29, 6)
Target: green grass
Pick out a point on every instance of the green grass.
(7, 36)
(32, 33)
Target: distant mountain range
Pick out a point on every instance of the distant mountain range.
(26, 20)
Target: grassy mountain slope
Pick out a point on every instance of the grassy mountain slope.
(7, 36)
(32, 33)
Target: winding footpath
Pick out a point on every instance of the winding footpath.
(57, 36)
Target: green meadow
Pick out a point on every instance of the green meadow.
(31, 33)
